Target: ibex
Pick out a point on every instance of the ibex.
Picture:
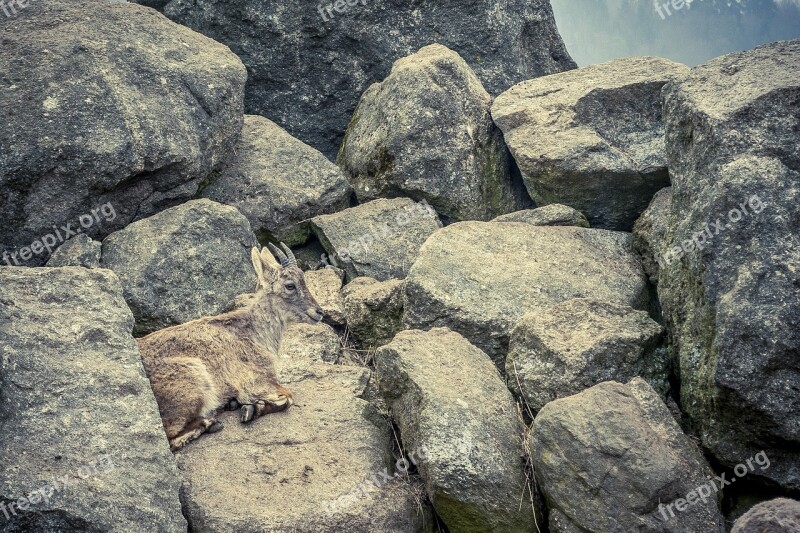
(196, 369)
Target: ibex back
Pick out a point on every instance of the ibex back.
(197, 368)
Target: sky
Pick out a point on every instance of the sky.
(600, 30)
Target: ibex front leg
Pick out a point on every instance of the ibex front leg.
(263, 397)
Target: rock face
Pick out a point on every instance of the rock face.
(183, 263)
(278, 182)
(379, 239)
(612, 459)
(78, 251)
(549, 215)
(449, 400)
(307, 71)
(425, 132)
(479, 278)
(325, 285)
(733, 307)
(131, 110)
(579, 343)
(82, 445)
(650, 232)
(374, 310)
(775, 516)
(592, 138)
(312, 468)
(306, 345)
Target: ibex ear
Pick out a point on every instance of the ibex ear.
(255, 257)
(269, 260)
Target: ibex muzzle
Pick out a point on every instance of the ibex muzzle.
(196, 369)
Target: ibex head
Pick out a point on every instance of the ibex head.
(280, 277)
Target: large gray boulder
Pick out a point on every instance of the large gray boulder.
(325, 465)
(650, 231)
(579, 343)
(548, 215)
(425, 132)
(278, 183)
(612, 458)
(308, 68)
(780, 515)
(374, 310)
(592, 138)
(448, 399)
(379, 239)
(730, 281)
(325, 285)
(82, 444)
(479, 278)
(183, 263)
(131, 111)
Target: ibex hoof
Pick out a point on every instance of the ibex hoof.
(248, 413)
(216, 426)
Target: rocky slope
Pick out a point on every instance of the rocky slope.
(484, 365)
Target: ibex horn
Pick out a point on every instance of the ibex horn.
(290, 255)
(278, 254)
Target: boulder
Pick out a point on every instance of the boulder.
(449, 400)
(131, 111)
(592, 138)
(780, 515)
(374, 310)
(325, 465)
(325, 285)
(729, 284)
(650, 232)
(278, 183)
(309, 64)
(379, 239)
(306, 345)
(480, 278)
(579, 343)
(613, 459)
(82, 444)
(425, 132)
(80, 250)
(183, 263)
(549, 215)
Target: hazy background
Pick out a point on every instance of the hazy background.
(599, 30)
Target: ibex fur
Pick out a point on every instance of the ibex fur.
(196, 369)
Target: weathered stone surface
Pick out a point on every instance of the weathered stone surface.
(549, 215)
(379, 239)
(425, 132)
(80, 250)
(479, 278)
(780, 515)
(76, 408)
(650, 231)
(307, 69)
(278, 182)
(579, 343)
(183, 263)
(592, 138)
(305, 345)
(613, 459)
(733, 307)
(325, 285)
(449, 400)
(300, 470)
(374, 310)
(131, 109)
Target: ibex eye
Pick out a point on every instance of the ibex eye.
(290, 286)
